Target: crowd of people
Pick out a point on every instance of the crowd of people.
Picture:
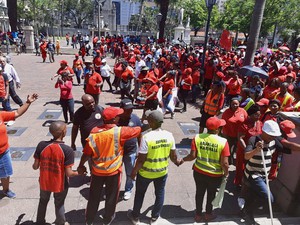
(161, 78)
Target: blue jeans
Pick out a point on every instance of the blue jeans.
(142, 184)
(129, 161)
(166, 102)
(5, 104)
(67, 105)
(78, 75)
(257, 195)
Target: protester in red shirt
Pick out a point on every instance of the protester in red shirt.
(77, 68)
(210, 69)
(185, 82)
(5, 158)
(93, 82)
(55, 161)
(151, 100)
(196, 81)
(252, 126)
(167, 85)
(234, 85)
(125, 82)
(234, 117)
(66, 97)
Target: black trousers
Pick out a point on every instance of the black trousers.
(107, 79)
(13, 94)
(112, 189)
(204, 184)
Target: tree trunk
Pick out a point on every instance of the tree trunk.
(12, 14)
(256, 21)
(164, 7)
(295, 39)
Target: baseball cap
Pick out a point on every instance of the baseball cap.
(111, 112)
(287, 127)
(88, 60)
(263, 102)
(76, 54)
(103, 60)
(271, 128)
(63, 62)
(154, 115)
(145, 68)
(213, 123)
(126, 104)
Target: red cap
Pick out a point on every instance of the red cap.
(188, 71)
(220, 74)
(263, 101)
(287, 127)
(77, 55)
(111, 112)
(64, 62)
(213, 123)
(98, 51)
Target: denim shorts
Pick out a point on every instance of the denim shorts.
(5, 165)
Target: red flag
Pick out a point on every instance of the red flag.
(225, 41)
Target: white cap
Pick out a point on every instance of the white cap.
(271, 128)
(103, 60)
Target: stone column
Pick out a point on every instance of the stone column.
(29, 40)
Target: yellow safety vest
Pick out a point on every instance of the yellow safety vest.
(209, 149)
(107, 151)
(286, 98)
(156, 164)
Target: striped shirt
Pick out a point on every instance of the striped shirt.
(254, 166)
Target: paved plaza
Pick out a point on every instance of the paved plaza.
(31, 128)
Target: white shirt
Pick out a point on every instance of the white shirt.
(11, 73)
(154, 135)
(105, 70)
(138, 67)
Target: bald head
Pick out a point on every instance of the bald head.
(58, 129)
(88, 102)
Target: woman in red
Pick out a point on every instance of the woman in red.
(125, 82)
(151, 101)
(185, 82)
(66, 97)
(251, 127)
(234, 85)
(167, 86)
(43, 48)
(234, 117)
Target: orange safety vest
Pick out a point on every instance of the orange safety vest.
(107, 151)
(211, 104)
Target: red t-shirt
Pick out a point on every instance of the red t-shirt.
(127, 75)
(54, 157)
(233, 119)
(225, 153)
(209, 71)
(4, 117)
(234, 86)
(168, 84)
(187, 80)
(152, 89)
(65, 89)
(196, 77)
(91, 81)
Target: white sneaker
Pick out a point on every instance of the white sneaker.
(10, 123)
(127, 195)
(241, 203)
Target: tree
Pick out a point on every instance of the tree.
(256, 21)
(80, 11)
(12, 14)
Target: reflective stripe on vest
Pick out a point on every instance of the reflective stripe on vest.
(108, 154)
(286, 98)
(209, 149)
(249, 104)
(297, 106)
(156, 163)
(211, 103)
